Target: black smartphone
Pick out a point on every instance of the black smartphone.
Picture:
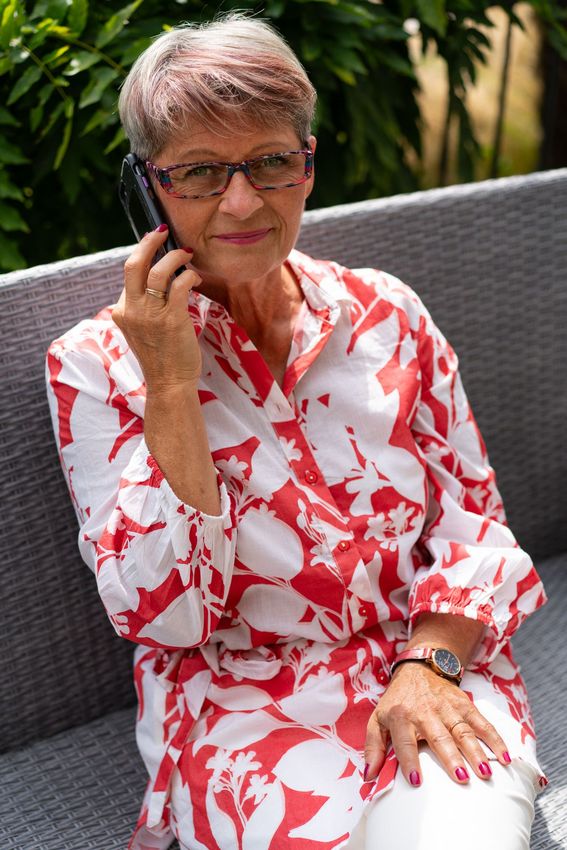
(140, 204)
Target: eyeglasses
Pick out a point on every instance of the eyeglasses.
(194, 180)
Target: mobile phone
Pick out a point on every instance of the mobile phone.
(140, 204)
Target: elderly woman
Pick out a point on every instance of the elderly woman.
(287, 503)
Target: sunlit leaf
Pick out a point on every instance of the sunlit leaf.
(13, 18)
(116, 24)
(102, 77)
(50, 9)
(78, 15)
(80, 62)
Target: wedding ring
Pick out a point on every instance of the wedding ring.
(157, 293)
(457, 724)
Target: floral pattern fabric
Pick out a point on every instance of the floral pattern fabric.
(353, 498)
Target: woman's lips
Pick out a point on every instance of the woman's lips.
(245, 238)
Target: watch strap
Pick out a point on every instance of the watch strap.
(424, 653)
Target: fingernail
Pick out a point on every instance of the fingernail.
(461, 774)
(366, 766)
(485, 769)
(161, 229)
(506, 757)
(188, 250)
(415, 778)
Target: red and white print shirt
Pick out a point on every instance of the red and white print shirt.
(355, 498)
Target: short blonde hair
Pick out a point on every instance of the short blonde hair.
(235, 73)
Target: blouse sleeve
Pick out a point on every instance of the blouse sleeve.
(162, 567)
(474, 566)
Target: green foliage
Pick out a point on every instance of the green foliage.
(62, 63)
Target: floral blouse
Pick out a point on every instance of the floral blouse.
(353, 499)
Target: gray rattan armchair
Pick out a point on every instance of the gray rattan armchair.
(489, 261)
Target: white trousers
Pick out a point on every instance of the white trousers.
(494, 814)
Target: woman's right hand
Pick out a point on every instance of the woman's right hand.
(159, 331)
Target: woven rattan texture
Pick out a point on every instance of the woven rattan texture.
(80, 790)
(62, 663)
(545, 673)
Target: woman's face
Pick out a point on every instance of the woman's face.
(207, 224)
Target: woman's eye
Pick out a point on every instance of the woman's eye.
(274, 161)
(198, 171)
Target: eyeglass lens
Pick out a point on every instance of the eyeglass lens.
(270, 172)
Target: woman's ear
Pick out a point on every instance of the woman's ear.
(312, 142)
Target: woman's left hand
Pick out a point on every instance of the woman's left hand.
(420, 705)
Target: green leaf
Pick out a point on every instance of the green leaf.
(62, 149)
(54, 57)
(5, 65)
(397, 63)
(8, 189)
(434, 14)
(10, 219)
(50, 9)
(119, 137)
(10, 154)
(80, 62)
(10, 257)
(13, 17)
(52, 119)
(310, 49)
(116, 24)
(348, 59)
(28, 79)
(98, 119)
(342, 73)
(36, 116)
(7, 119)
(78, 15)
(101, 78)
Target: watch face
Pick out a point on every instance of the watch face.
(447, 662)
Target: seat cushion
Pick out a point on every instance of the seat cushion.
(81, 789)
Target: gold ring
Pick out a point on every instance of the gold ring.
(157, 293)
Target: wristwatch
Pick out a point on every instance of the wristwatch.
(444, 662)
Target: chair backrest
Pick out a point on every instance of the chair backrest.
(489, 261)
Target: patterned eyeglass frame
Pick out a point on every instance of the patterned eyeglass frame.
(162, 174)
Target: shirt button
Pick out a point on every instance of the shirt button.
(311, 477)
(344, 545)
(383, 677)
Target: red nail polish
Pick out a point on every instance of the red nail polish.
(415, 778)
(461, 774)
(366, 766)
(188, 250)
(162, 228)
(506, 757)
(485, 769)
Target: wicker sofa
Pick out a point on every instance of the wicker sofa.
(489, 260)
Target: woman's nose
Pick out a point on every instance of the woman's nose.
(241, 199)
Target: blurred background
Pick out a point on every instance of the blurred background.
(412, 94)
